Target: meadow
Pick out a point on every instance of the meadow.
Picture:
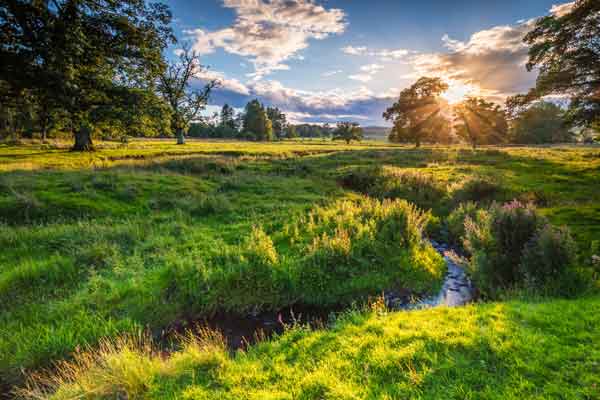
(137, 237)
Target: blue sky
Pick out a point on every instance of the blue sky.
(330, 60)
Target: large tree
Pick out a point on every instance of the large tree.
(84, 55)
(348, 131)
(175, 87)
(256, 123)
(278, 121)
(565, 50)
(416, 111)
(478, 122)
(543, 122)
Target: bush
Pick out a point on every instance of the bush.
(456, 221)
(512, 246)
(549, 258)
(476, 190)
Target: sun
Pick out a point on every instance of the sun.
(458, 91)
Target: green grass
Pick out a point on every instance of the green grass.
(513, 350)
(142, 235)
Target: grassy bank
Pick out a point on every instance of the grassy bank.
(513, 350)
(140, 236)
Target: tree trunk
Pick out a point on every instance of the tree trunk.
(83, 139)
(418, 143)
(180, 136)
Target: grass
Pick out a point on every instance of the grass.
(513, 350)
(136, 237)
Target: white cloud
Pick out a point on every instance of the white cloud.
(231, 84)
(382, 54)
(355, 51)
(331, 73)
(271, 32)
(361, 77)
(562, 9)
(366, 73)
(492, 60)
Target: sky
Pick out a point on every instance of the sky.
(347, 60)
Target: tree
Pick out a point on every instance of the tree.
(278, 121)
(565, 50)
(348, 131)
(174, 85)
(417, 109)
(227, 117)
(480, 122)
(84, 55)
(543, 122)
(290, 132)
(256, 122)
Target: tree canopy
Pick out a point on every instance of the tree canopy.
(479, 122)
(416, 111)
(565, 50)
(348, 131)
(84, 56)
(256, 123)
(543, 122)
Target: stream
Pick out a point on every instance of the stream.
(240, 331)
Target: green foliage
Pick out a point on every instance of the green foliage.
(348, 131)
(563, 49)
(417, 111)
(278, 121)
(513, 246)
(549, 261)
(543, 122)
(256, 123)
(478, 122)
(82, 60)
(456, 221)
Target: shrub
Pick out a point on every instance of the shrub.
(456, 221)
(549, 259)
(477, 190)
(512, 246)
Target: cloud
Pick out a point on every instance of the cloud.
(562, 9)
(270, 32)
(331, 73)
(361, 104)
(382, 54)
(492, 60)
(367, 73)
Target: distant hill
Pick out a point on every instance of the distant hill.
(376, 132)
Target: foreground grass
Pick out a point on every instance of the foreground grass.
(144, 235)
(513, 350)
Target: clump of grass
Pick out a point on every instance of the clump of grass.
(415, 186)
(477, 189)
(358, 247)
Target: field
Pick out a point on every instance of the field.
(138, 237)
